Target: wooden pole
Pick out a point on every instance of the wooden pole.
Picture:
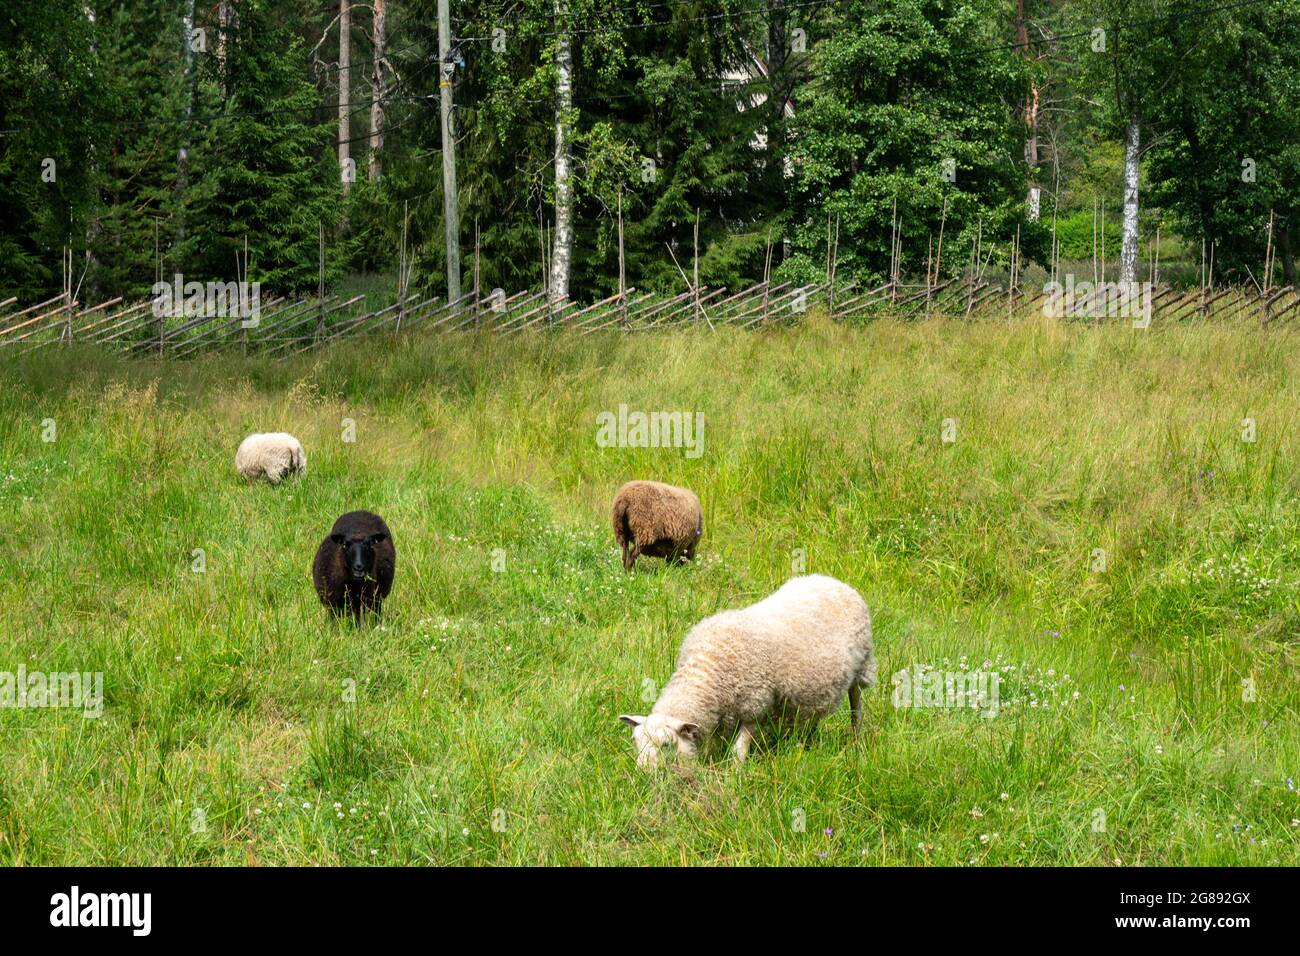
(1094, 240)
(622, 270)
(1052, 269)
(938, 253)
(476, 268)
(767, 274)
(320, 283)
(67, 293)
(1155, 272)
(893, 253)
(1268, 256)
(929, 252)
(835, 255)
(451, 199)
(1103, 242)
(696, 281)
(402, 271)
(541, 244)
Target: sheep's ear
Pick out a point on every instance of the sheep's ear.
(688, 730)
(338, 539)
(633, 721)
(378, 538)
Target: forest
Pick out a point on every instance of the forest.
(152, 137)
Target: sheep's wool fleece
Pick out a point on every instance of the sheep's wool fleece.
(656, 511)
(801, 648)
(270, 455)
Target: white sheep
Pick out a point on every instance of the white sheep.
(270, 455)
(789, 659)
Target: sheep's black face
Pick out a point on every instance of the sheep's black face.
(359, 555)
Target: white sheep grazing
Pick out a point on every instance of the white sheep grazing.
(790, 658)
(270, 455)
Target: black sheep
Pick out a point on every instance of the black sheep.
(353, 570)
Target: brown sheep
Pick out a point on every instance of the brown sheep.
(662, 521)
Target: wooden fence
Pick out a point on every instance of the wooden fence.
(287, 327)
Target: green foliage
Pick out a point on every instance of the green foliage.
(902, 93)
(704, 111)
(138, 187)
(1077, 232)
(49, 98)
(264, 171)
(1231, 154)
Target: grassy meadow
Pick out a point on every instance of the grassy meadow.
(1149, 699)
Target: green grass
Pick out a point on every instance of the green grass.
(491, 697)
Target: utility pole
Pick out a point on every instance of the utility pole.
(450, 204)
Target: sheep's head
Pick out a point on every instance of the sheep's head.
(657, 732)
(359, 554)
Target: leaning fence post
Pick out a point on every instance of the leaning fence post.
(67, 294)
(401, 271)
(622, 275)
(320, 285)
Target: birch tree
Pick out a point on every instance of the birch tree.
(562, 248)
(1031, 114)
(377, 89)
(1126, 56)
(345, 85)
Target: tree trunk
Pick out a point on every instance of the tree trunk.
(377, 92)
(345, 85)
(1129, 252)
(562, 252)
(778, 50)
(223, 27)
(183, 154)
(1031, 115)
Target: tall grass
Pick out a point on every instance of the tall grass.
(1148, 710)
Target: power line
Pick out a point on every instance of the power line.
(320, 68)
(406, 122)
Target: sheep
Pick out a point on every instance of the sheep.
(662, 521)
(788, 659)
(270, 455)
(354, 565)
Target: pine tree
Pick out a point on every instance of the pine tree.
(265, 169)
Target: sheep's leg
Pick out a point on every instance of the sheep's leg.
(744, 737)
(855, 705)
(635, 553)
(627, 547)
